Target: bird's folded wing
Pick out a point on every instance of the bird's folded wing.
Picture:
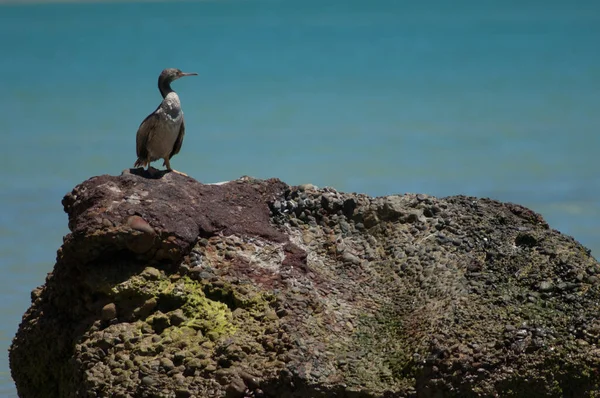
(144, 133)
(179, 141)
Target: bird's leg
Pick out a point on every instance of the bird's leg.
(168, 164)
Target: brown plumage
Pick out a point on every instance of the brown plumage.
(160, 135)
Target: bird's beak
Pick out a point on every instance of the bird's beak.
(189, 74)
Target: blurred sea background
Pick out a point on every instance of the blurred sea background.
(495, 99)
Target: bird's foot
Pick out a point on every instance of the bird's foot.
(152, 171)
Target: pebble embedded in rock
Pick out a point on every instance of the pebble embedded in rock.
(184, 268)
(307, 187)
(177, 317)
(159, 322)
(146, 308)
(281, 312)
(210, 368)
(348, 257)
(151, 273)
(139, 224)
(167, 363)
(251, 381)
(195, 364)
(149, 381)
(195, 272)
(546, 286)
(109, 311)
(183, 393)
(236, 388)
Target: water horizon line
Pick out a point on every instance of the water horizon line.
(50, 2)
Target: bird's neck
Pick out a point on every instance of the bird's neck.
(165, 88)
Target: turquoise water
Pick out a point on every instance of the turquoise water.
(496, 99)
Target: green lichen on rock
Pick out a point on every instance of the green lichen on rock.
(385, 354)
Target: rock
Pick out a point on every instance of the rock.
(183, 393)
(177, 317)
(236, 388)
(109, 311)
(137, 223)
(151, 273)
(249, 380)
(146, 309)
(348, 257)
(148, 381)
(254, 288)
(546, 286)
(159, 322)
(167, 364)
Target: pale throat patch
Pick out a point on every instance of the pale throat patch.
(172, 106)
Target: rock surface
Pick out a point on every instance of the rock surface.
(170, 288)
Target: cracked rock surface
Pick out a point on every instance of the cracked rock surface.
(167, 287)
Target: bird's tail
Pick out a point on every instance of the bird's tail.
(140, 163)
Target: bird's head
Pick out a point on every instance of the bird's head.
(170, 74)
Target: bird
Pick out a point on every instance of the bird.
(161, 133)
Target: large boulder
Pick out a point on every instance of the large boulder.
(166, 287)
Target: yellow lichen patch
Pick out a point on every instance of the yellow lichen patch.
(180, 333)
(135, 285)
(213, 318)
